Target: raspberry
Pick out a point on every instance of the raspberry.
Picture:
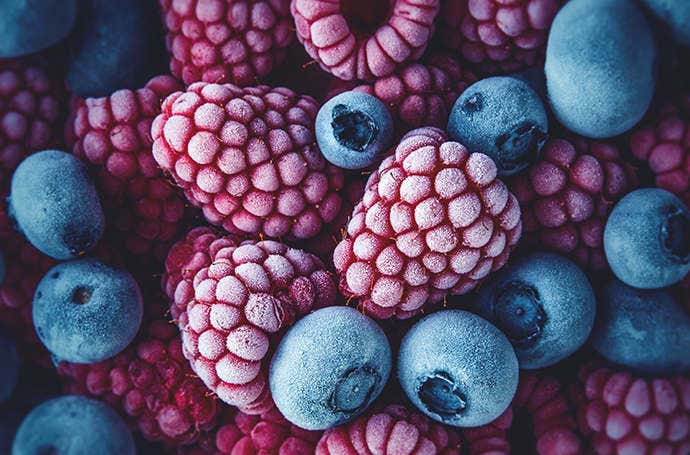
(248, 158)
(151, 384)
(231, 307)
(393, 430)
(567, 197)
(237, 41)
(497, 36)
(338, 34)
(113, 134)
(490, 439)
(434, 220)
(620, 412)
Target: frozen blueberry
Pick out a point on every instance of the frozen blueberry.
(73, 425)
(676, 15)
(10, 366)
(85, 311)
(647, 239)
(544, 304)
(600, 66)
(642, 329)
(502, 117)
(27, 27)
(115, 45)
(353, 129)
(457, 368)
(55, 204)
(329, 367)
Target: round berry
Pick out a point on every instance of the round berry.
(676, 16)
(55, 204)
(330, 366)
(647, 239)
(353, 129)
(10, 366)
(72, 425)
(85, 311)
(544, 304)
(502, 117)
(458, 369)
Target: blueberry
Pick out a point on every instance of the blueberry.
(457, 368)
(675, 14)
(544, 304)
(10, 367)
(85, 311)
(647, 239)
(600, 66)
(645, 330)
(502, 117)
(329, 367)
(353, 130)
(27, 27)
(55, 204)
(115, 45)
(73, 425)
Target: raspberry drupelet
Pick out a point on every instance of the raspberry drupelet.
(248, 158)
(489, 439)
(353, 39)
(434, 220)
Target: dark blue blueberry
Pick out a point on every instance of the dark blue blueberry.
(676, 15)
(85, 311)
(115, 45)
(642, 329)
(353, 130)
(329, 367)
(502, 117)
(600, 66)
(73, 425)
(55, 204)
(10, 366)
(647, 239)
(27, 27)
(544, 304)
(457, 368)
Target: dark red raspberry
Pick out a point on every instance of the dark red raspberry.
(623, 413)
(497, 36)
(434, 221)
(394, 430)
(114, 135)
(232, 306)
(490, 439)
(151, 384)
(248, 158)
(567, 196)
(355, 39)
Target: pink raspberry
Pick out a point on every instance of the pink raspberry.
(567, 197)
(151, 384)
(236, 41)
(114, 135)
(231, 308)
(248, 158)
(393, 430)
(490, 439)
(497, 36)
(623, 413)
(355, 39)
(434, 220)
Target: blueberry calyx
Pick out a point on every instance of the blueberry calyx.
(441, 395)
(81, 295)
(517, 311)
(353, 390)
(46, 450)
(520, 146)
(675, 235)
(77, 242)
(473, 104)
(353, 129)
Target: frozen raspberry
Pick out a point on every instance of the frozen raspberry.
(567, 197)
(237, 41)
(393, 430)
(232, 307)
(623, 413)
(497, 36)
(355, 39)
(489, 439)
(248, 158)
(151, 384)
(114, 135)
(434, 220)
